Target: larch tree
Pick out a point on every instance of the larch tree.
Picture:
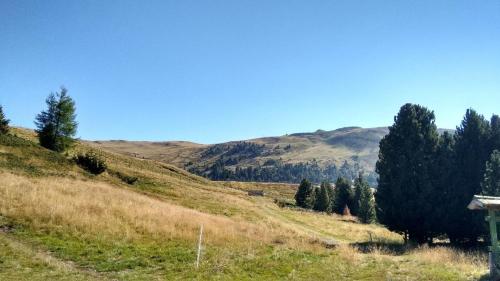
(56, 126)
(4, 122)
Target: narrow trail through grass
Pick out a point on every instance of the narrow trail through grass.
(20, 253)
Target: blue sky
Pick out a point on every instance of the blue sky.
(213, 71)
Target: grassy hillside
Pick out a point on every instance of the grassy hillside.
(358, 147)
(346, 144)
(57, 222)
(346, 150)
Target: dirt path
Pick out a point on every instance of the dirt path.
(65, 266)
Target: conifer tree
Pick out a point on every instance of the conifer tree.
(366, 211)
(343, 195)
(491, 181)
(331, 194)
(443, 176)
(359, 182)
(304, 193)
(322, 203)
(311, 199)
(494, 142)
(471, 153)
(56, 126)
(405, 190)
(4, 122)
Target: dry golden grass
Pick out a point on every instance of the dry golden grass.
(98, 208)
(274, 190)
(341, 228)
(467, 261)
(169, 183)
(174, 152)
(169, 203)
(349, 254)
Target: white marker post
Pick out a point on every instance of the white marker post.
(199, 247)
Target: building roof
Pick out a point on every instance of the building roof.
(480, 202)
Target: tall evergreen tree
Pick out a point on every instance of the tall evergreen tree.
(359, 183)
(311, 199)
(343, 195)
(366, 205)
(4, 122)
(56, 126)
(405, 190)
(471, 153)
(322, 202)
(331, 194)
(443, 175)
(304, 194)
(494, 142)
(491, 181)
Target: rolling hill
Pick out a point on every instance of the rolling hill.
(337, 146)
(317, 155)
(353, 147)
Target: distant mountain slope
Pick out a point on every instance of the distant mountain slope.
(317, 155)
(353, 145)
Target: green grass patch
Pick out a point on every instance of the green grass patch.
(26, 157)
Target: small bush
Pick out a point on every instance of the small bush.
(91, 162)
(123, 177)
(126, 179)
(284, 203)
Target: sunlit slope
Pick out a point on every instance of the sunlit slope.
(60, 223)
(352, 144)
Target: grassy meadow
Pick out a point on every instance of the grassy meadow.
(58, 222)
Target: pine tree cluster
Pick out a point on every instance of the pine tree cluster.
(426, 179)
(342, 199)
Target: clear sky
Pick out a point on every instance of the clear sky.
(212, 71)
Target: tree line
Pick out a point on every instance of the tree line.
(277, 171)
(426, 180)
(341, 199)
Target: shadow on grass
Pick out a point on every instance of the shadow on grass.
(397, 248)
(389, 247)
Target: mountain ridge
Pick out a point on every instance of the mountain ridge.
(346, 151)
